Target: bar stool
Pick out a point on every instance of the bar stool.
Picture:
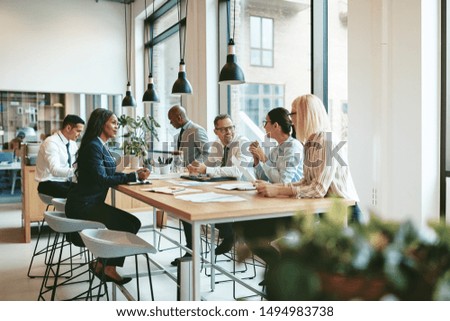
(63, 226)
(231, 256)
(59, 204)
(108, 244)
(46, 199)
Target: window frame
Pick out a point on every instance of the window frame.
(260, 49)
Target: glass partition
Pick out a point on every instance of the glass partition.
(38, 115)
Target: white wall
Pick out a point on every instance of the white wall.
(394, 106)
(62, 46)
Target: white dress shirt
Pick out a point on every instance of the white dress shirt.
(52, 160)
(238, 148)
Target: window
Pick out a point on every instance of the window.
(337, 68)
(275, 34)
(257, 101)
(165, 27)
(261, 41)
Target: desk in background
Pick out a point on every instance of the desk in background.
(14, 168)
(254, 207)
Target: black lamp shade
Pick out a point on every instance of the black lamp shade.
(231, 73)
(182, 84)
(150, 94)
(128, 100)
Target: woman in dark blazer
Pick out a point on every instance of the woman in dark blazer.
(95, 174)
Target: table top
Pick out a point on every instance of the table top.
(254, 206)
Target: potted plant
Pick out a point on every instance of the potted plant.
(137, 135)
(324, 259)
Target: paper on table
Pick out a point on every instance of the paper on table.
(164, 176)
(210, 197)
(187, 183)
(244, 186)
(245, 172)
(172, 190)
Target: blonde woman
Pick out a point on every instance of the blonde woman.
(325, 171)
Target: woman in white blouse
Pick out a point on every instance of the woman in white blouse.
(325, 171)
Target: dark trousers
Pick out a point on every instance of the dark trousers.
(258, 234)
(55, 189)
(112, 217)
(225, 231)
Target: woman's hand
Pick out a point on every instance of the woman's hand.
(267, 189)
(257, 153)
(143, 173)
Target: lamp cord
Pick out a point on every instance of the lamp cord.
(150, 56)
(234, 18)
(126, 43)
(182, 43)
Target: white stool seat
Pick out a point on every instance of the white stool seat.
(111, 244)
(58, 222)
(59, 204)
(46, 199)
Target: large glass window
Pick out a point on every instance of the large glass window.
(275, 34)
(337, 67)
(165, 46)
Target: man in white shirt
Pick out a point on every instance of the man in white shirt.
(228, 144)
(219, 163)
(54, 164)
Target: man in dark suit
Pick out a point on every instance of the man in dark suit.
(192, 141)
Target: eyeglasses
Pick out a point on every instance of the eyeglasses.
(265, 122)
(223, 130)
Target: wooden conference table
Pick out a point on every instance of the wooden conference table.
(254, 207)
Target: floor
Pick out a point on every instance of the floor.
(15, 257)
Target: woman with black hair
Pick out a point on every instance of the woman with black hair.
(96, 173)
(283, 165)
(284, 162)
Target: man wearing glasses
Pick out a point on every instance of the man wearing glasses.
(220, 163)
(228, 144)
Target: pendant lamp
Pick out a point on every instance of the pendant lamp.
(128, 100)
(231, 73)
(150, 94)
(182, 84)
